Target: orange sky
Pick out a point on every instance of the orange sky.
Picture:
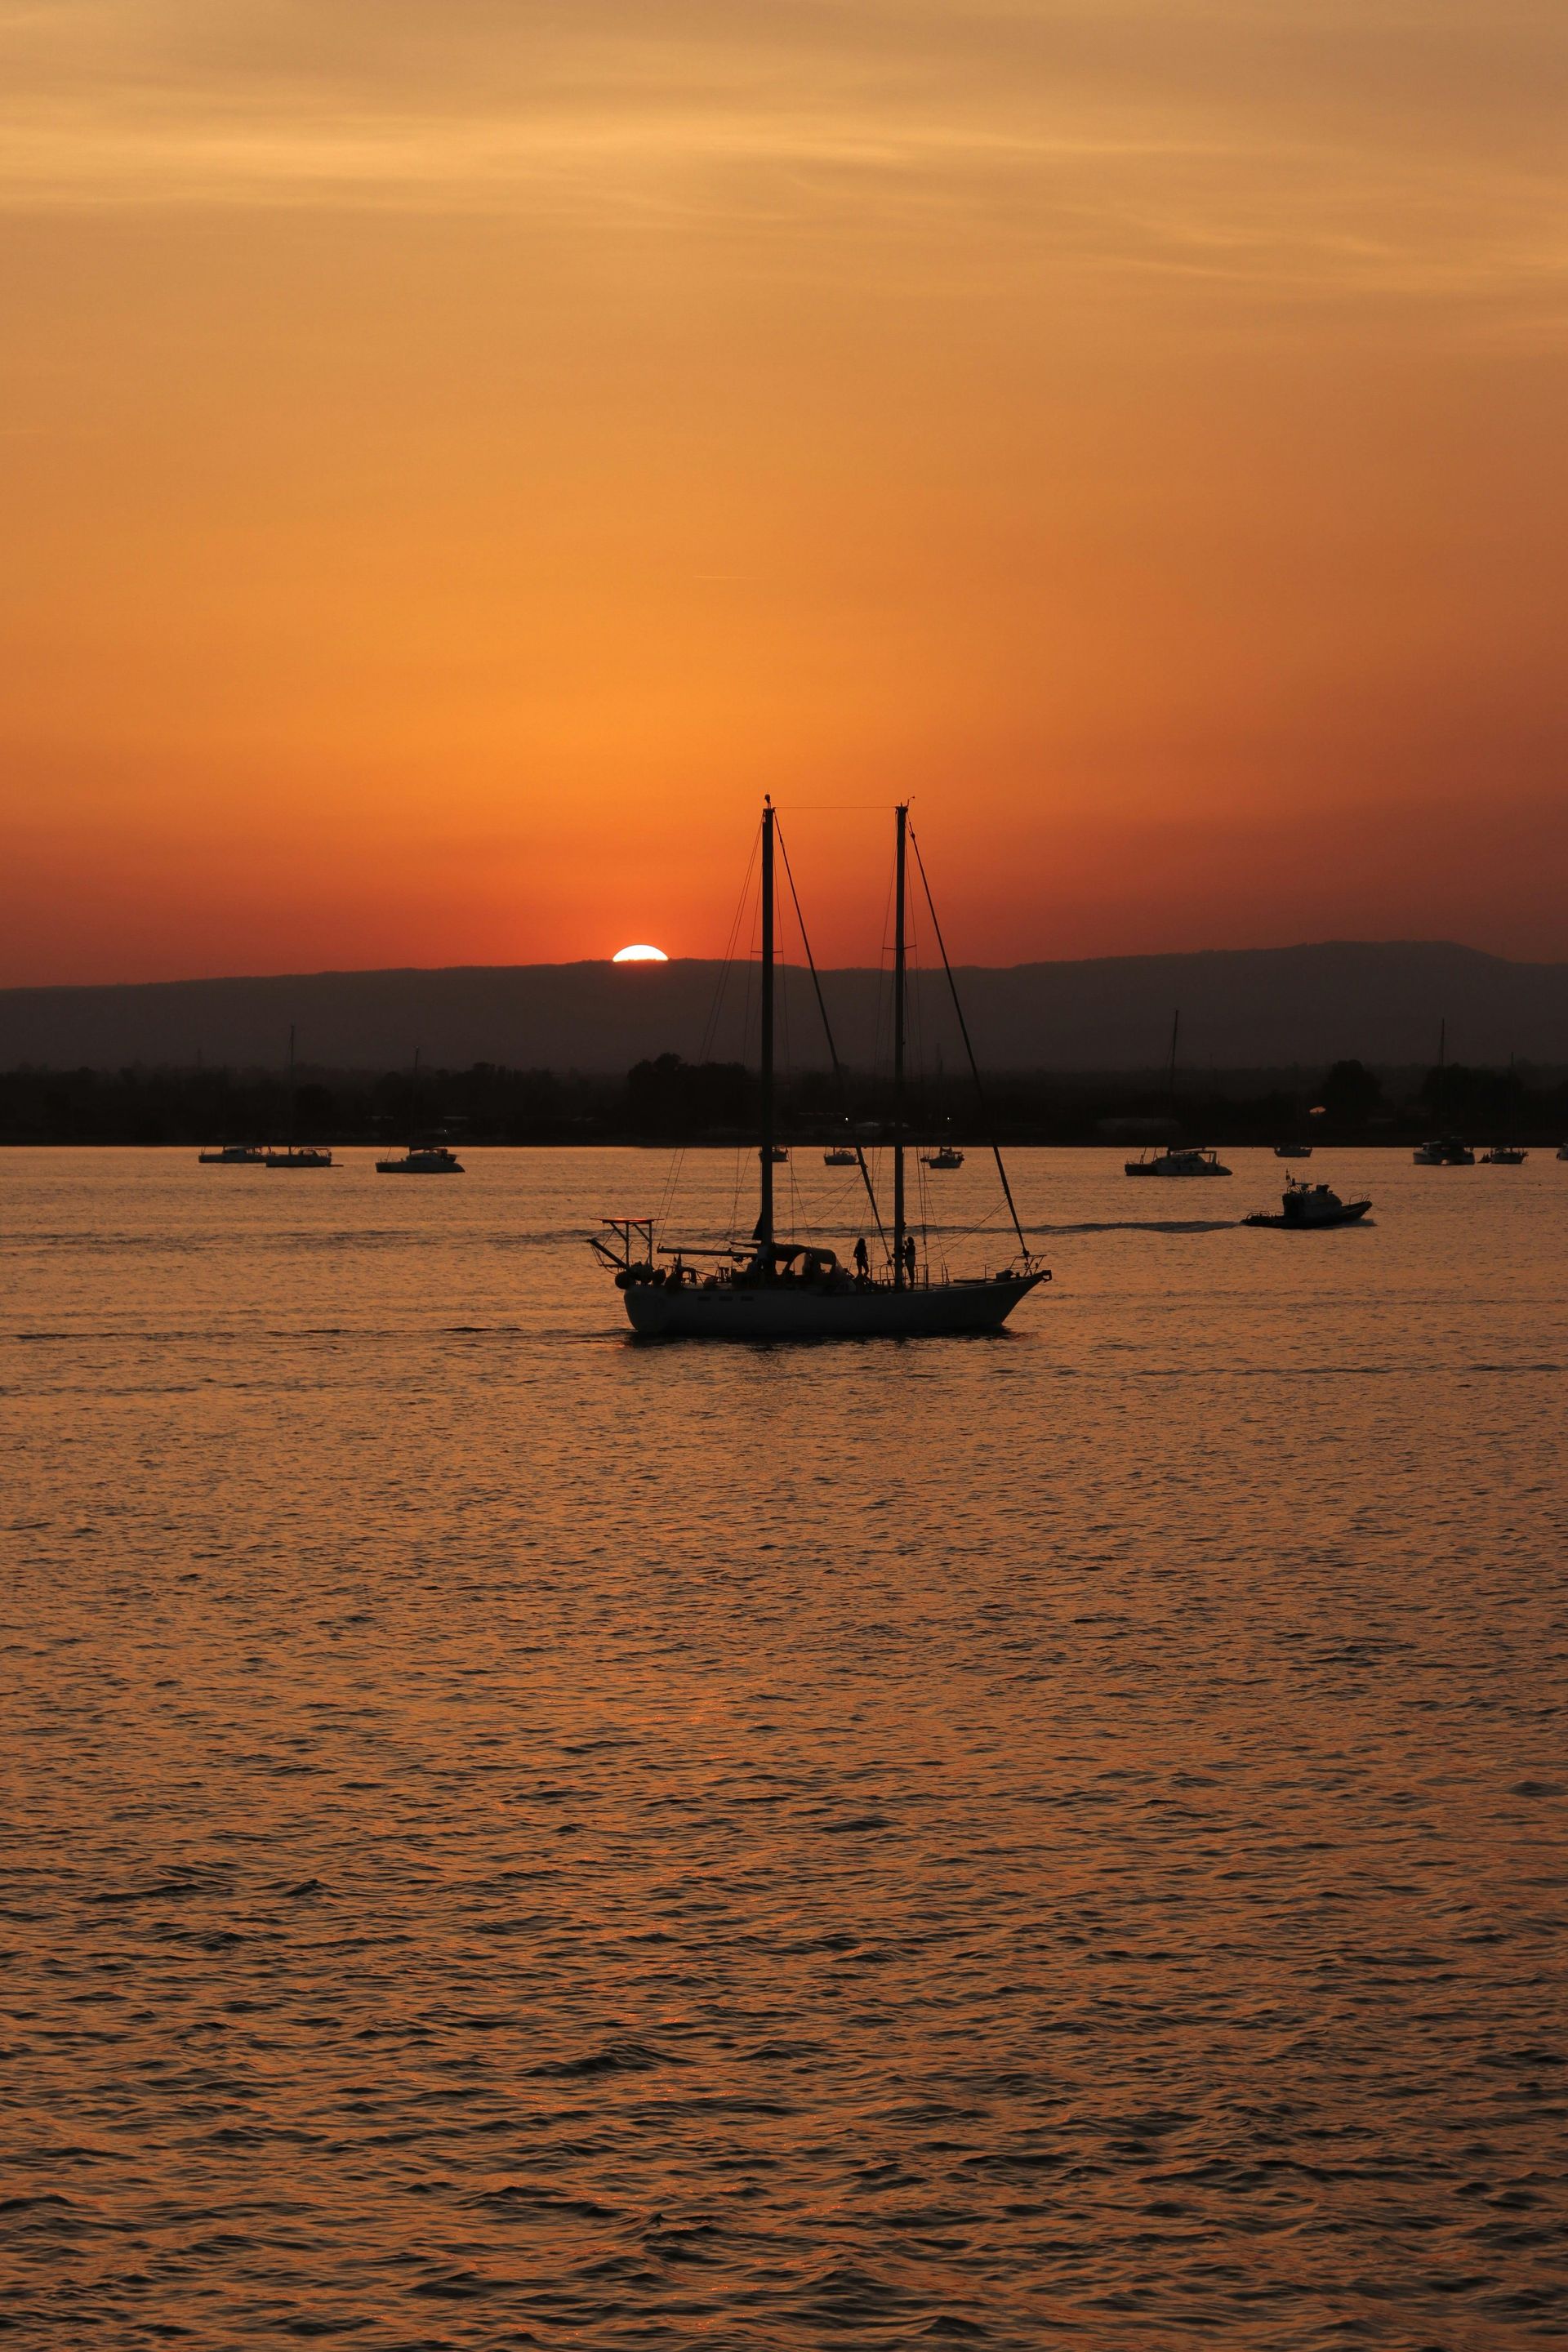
(458, 453)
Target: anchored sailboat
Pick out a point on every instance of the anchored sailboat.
(298, 1155)
(420, 1158)
(777, 1290)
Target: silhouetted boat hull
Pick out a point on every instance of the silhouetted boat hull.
(1342, 1213)
(422, 1159)
(779, 1311)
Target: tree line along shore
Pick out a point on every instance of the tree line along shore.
(668, 1100)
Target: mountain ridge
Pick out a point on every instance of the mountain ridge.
(1317, 1001)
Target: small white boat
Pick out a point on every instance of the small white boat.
(423, 1160)
(948, 1157)
(1183, 1160)
(1309, 1208)
(233, 1155)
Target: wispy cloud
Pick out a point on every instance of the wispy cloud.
(1322, 149)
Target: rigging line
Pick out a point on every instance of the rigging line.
(827, 1033)
(715, 1008)
(963, 1033)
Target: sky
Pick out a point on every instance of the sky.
(457, 455)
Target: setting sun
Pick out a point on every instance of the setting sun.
(641, 954)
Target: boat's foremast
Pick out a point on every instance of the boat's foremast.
(900, 881)
(765, 1137)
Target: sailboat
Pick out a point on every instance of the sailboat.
(1505, 1154)
(233, 1155)
(773, 1288)
(420, 1158)
(1443, 1150)
(298, 1155)
(1176, 1159)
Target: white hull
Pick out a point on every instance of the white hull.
(781, 1311)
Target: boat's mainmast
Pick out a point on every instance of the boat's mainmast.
(765, 1141)
(899, 957)
(1442, 1075)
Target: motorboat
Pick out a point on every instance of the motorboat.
(423, 1160)
(779, 1154)
(1504, 1155)
(1178, 1160)
(769, 1287)
(1307, 1208)
(1562, 1151)
(948, 1156)
(1292, 1151)
(233, 1155)
(842, 1155)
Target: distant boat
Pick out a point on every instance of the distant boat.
(1309, 1208)
(1562, 1151)
(1178, 1160)
(1292, 1151)
(1443, 1150)
(768, 1289)
(1505, 1156)
(778, 1154)
(233, 1155)
(422, 1159)
(842, 1155)
(948, 1156)
(298, 1155)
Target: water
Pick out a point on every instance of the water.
(514, 1837)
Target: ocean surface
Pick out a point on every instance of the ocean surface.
(516, 1836)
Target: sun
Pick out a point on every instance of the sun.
(640, 954)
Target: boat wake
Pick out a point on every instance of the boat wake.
(1144, 1225)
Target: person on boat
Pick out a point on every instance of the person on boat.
(909, 1258)
(862, 1259)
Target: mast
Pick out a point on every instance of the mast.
(765, 1140)
(1442, 1074)
(291, 1086)
(900, 958)
(1175, 1033)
